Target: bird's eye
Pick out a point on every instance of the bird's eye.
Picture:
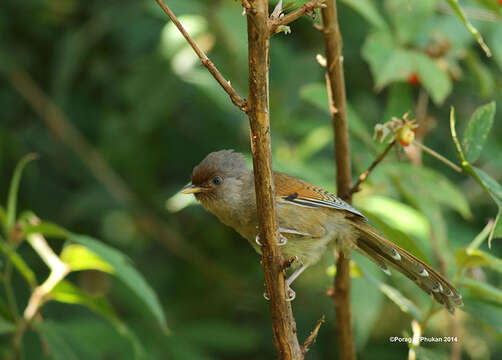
(217, 180)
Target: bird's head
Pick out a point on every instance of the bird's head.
(218, 178)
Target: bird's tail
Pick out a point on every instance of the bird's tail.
(383, 252)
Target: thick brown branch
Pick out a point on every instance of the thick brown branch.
(365, 174)
(274, 24)
(313, 336)
(283, 323)
(336, 90)
(236, 99)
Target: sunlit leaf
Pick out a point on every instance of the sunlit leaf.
(398, 237)
(53, 333)
(466, 259)
(461, 15)
(126, 272)
(78, 257)
(14, 188)
(397, 214)
(68, 293)
(477, 131)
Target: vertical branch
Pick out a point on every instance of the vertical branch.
(284, 327)
(336, 90)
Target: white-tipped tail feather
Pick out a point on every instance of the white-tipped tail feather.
(383, 252)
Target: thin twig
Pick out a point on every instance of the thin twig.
(313, 336)
(236, 99)
(365, 174)
(438, 156)
(275, 24)
(283, 322)
(338, 108)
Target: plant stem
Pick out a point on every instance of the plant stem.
(438, 156)
(365, 174)
(283, 323)
(336, 92)
(274, 24)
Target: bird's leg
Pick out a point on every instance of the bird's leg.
(282, 239)
(290, 293)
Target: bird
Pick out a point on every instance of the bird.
(310, 219)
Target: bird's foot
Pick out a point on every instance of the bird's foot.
(290, 294)
(282, 240)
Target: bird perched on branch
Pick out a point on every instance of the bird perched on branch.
(310, 220)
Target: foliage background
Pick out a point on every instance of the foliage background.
(131, 86)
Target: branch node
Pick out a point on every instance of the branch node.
(312, 337)
(286, 264)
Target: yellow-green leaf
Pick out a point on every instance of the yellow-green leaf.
(78, 257)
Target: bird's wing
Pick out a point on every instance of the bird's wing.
(301, 193)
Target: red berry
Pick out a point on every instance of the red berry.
(404, 143)
(500, 2)
(413, 78)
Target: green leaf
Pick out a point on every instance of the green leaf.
(398, 237)
(396, 214)
(486, 313)
(405, 304)
(68, 293)
(435, 80)
(125, 272)
(46, 229)
(426, 183)
(409, 18)
(6, 327)
(482, 291)
(460, 153)
(19, 263)
(368, 10)
(467, 259)
(79, 258)
(14, 188)
(477, 131)
(55, 336)
(491, 184)
(461, 15)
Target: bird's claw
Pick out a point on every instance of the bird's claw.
(282, 240)
(290, 294)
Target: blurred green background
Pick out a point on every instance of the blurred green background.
(133, 111)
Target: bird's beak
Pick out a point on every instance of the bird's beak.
(192, 189)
